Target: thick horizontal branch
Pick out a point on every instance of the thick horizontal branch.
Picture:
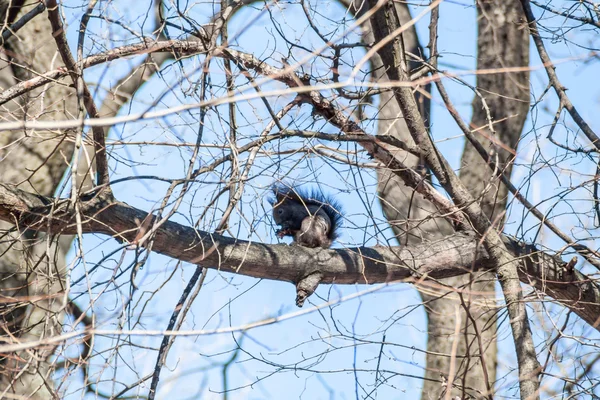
(451, 256)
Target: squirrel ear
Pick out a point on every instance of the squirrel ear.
(276, 196)
(279, 198)
(280, 194)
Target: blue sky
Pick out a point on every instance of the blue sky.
(327, 351)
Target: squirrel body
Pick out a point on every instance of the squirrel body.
(311, 218)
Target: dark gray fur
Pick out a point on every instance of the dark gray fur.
(312, 219)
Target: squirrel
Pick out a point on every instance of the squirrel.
(310, 217)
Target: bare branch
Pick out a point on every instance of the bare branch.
(76, 75)
(451, 256)
(553, 77)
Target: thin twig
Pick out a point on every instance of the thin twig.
(14, 28)
(75, 70)
(589, 254)
(553, 77)
(195, 282)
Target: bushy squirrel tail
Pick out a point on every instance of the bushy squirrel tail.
(310, 197)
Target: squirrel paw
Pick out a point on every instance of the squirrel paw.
(281, 233)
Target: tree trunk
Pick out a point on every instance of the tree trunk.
(502, 43)
(33, 266)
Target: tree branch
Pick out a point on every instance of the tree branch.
(553, 77)
(451, 256)
(76, 75)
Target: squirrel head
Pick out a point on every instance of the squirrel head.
(287, 210)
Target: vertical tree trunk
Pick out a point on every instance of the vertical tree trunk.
(32, 266)
(502, 43)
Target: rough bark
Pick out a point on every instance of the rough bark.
(502, 43)
(386, 26)
(32, 264)
(410, 216)
(451, 256)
